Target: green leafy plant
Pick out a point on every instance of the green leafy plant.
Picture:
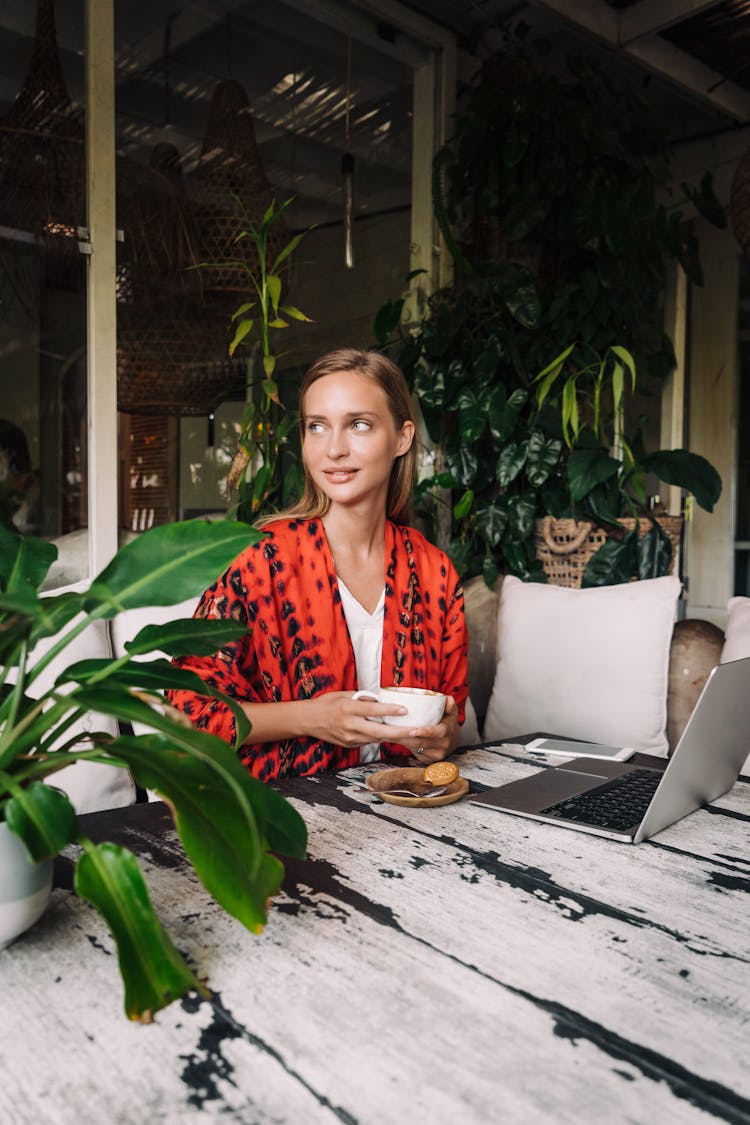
(557, 205)
(257, 471)
(230, 824)
(602, 475)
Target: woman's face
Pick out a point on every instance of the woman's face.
(350, 438)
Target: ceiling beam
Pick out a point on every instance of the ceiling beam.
(690, 74)
(658, 55)
(647, 18)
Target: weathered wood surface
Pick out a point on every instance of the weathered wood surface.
(450, 964)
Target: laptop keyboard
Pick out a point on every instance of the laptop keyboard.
(619, 804)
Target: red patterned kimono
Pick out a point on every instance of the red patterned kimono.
(285, 589)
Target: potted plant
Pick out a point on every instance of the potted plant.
(558, 208)
(230, 824)
(600, 480)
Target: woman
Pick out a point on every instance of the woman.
(340, 595)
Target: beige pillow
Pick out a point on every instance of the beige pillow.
(91, 786)
(737, 634)
(589, 664)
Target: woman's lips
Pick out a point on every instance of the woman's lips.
(339, 475)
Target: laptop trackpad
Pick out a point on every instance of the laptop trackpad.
(532, 794)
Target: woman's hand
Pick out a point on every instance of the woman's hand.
(336, 717)
(432, 744)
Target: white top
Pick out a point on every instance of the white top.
(366, 632)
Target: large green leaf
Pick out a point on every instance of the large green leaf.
(686, 470)
(429, 385)
(457, 377)
(22, 602)
(187, 636)
(42, 816)
(521, 515)
(603, 503)
(24, 560)
(491, 521)
(464, 505)
(511, 461)
(586, 469)
(615, 562)
(168, 564)
(496, 411)
(654, 553)
(152, 676)
(460, 553)
(487, 364)
(461, 460)
(34, 730)
(276, 819)
(524, 305)
(472, 414)
(52, 614)
(516, 401)
(543, 455)
(153, 972)
(227, 851)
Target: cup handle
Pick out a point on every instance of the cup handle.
(373, 698)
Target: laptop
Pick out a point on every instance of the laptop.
(630, 803)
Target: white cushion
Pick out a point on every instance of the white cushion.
(737, 640)
(91, 786)
(737, 635)
(590, 664)
(128, 624)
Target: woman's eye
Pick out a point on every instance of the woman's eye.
(360, 424)
(314, 427)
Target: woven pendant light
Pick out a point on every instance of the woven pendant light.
(171, 344)
(228, 187)
(42, 169)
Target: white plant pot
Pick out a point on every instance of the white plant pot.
(24, 886)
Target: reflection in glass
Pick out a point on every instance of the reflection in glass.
(219, 111)
(42, 272)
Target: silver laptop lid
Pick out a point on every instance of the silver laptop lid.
(710, 754)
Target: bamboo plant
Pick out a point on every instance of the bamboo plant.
(256, 469)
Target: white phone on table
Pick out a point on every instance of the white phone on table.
(580, 749)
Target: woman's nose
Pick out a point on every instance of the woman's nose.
(338, 444)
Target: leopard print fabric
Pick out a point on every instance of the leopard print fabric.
(297, 645)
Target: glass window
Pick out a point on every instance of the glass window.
(43, 472)
(221, 109)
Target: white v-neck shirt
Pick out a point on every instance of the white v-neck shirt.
(366, 633)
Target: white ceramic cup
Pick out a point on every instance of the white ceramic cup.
(424, 708)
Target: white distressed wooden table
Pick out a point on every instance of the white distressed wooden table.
(435, 965)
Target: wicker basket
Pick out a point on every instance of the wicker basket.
(565, 546)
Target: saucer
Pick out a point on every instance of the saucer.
(392, 778)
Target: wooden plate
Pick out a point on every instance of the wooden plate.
(391, 779)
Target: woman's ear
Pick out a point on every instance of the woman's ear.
(405, 439)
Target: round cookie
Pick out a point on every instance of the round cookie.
(440, 773)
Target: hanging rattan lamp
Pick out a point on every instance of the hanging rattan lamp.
(171, 345)
(42, 169)
(228, 186)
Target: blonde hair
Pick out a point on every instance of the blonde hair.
(375, 366)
